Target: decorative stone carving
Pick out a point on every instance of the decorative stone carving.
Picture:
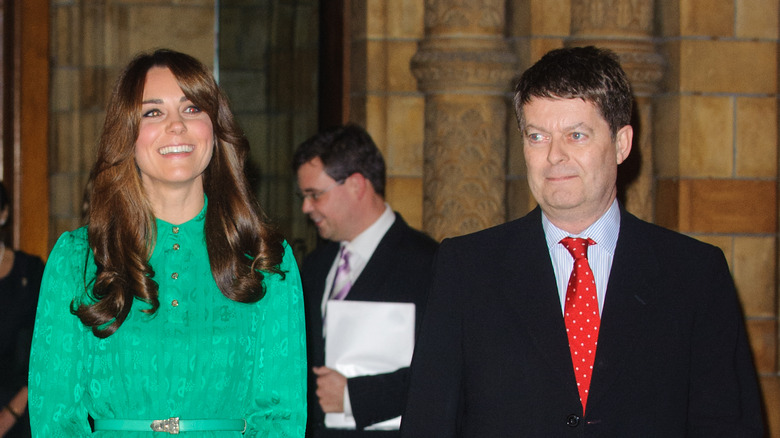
(465, 67)
(460, 65)
(464, 16)
(464, 170)
(612, 17)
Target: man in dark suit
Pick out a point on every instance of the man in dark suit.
(641, 336)
(341, 175)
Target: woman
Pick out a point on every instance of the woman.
(177, 306)
(20, 279)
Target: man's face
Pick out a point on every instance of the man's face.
(572, 159)
(326, 201)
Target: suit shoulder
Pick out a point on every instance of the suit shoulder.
(509, 231)
(654, 231)
(673, 243)
(419, 240)
(322, 250)
(29, 259)
(323, 253)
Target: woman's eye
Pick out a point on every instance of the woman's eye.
(192, 109)
(152, 113)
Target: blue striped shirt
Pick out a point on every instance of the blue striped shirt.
(604, 232)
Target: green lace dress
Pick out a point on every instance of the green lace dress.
(200, 356)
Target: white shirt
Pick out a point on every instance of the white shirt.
(604, 232)
(361, 249)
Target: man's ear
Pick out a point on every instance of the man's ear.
(356, 183)
(623, 141)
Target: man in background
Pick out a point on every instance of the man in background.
(580, 319)
(372, 255)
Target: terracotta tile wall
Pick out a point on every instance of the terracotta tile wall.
(716, 151)
(384, 96)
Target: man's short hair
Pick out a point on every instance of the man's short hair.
(345, 150)
(588, 73)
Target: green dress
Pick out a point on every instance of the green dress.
(200, 356)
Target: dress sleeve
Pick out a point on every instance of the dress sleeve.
(280, 381)
(57, 379)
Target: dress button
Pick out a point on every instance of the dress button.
(572, 420)
(175, 230)
(175, 303)
(175, 275)
(176, 246)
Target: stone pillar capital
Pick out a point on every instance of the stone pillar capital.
(484, 65)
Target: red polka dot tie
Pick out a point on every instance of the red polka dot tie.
(581, 314)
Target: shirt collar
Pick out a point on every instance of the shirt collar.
(366, 242)
(604, 231)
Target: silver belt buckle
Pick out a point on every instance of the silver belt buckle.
(171, 425)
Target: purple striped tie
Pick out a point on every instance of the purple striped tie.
(342, 284)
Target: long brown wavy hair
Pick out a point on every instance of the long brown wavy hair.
(242, 245)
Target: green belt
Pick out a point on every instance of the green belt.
(172, 425)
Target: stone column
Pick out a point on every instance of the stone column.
(626, 27)
(464, 67)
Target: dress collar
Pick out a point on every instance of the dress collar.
(194, 224)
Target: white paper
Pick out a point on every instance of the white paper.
(366, 338)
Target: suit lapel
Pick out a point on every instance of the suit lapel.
(314, 274)
(323, 268)
(630, 295)
(368, 284)
(530, 288)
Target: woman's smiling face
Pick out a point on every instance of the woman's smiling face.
(175, 138)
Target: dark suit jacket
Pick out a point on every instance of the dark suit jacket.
(493, 359)
(398, 271)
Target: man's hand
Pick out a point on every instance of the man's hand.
(330, 389)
